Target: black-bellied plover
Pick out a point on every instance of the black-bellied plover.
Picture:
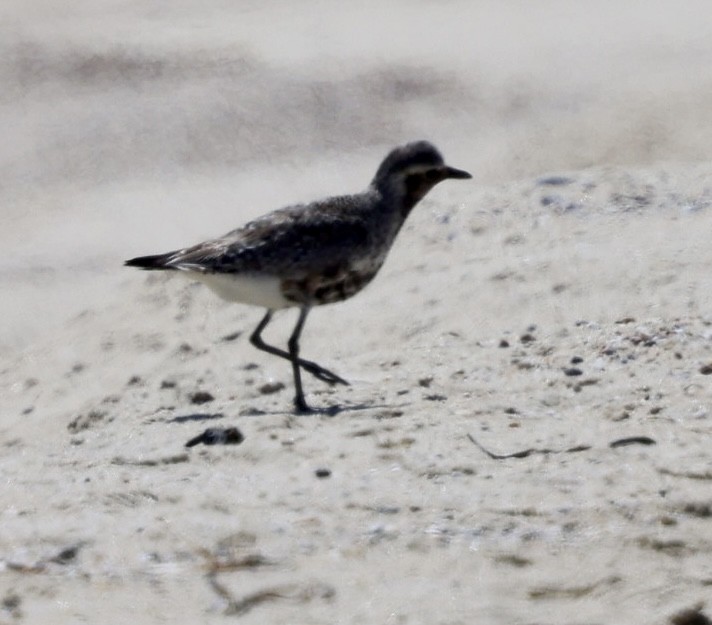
(312, 254)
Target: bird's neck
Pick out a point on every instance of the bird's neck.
(397, 200)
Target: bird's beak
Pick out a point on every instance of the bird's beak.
(451, 172)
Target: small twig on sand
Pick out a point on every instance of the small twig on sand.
(298, 593)
(527, 452)
(288, 592)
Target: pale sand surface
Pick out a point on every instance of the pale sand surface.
(583, 242)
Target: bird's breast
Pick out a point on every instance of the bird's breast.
(333, 284)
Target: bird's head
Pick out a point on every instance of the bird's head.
(410, 171)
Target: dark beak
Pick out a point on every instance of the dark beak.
(451, 172)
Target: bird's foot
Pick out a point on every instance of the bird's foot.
(322, 374)
(301, 406)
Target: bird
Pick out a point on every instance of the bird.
(308, 255)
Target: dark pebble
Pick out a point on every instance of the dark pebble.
(573, 371)
(692, 616)
(576, 360)
(66, 555)
(504, 343)
(322, 473)
(625, 320)
(217, 436)
(271, 387)
(201, 397)
(632, 440)
(11, 602)
(706, 369)
(555, 181)
(700, 510)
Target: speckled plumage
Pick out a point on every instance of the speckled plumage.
(312, 254)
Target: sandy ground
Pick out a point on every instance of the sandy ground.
(527, 434)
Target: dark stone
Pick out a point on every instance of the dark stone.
(201, 397)
(573, 371)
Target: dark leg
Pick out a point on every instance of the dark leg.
(310, 367)
(293, 344)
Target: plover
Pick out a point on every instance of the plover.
(312, 254)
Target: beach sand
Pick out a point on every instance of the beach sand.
(526, 437)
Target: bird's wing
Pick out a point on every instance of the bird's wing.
(289, 242)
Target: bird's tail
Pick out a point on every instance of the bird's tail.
(157, 261)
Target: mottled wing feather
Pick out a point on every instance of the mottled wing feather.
(290, 242)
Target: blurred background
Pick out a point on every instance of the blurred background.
(132, 126)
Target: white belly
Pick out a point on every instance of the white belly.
(244, 288)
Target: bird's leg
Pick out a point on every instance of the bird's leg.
(310, 367)
(293, 345)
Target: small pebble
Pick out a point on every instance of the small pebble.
(632, 440)
(67, 554)
(271, 387)
(201, 397)
(691, 616)
(573, 371)
(217, 436)
(625, 320)
(322, 473)
(699, 510)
